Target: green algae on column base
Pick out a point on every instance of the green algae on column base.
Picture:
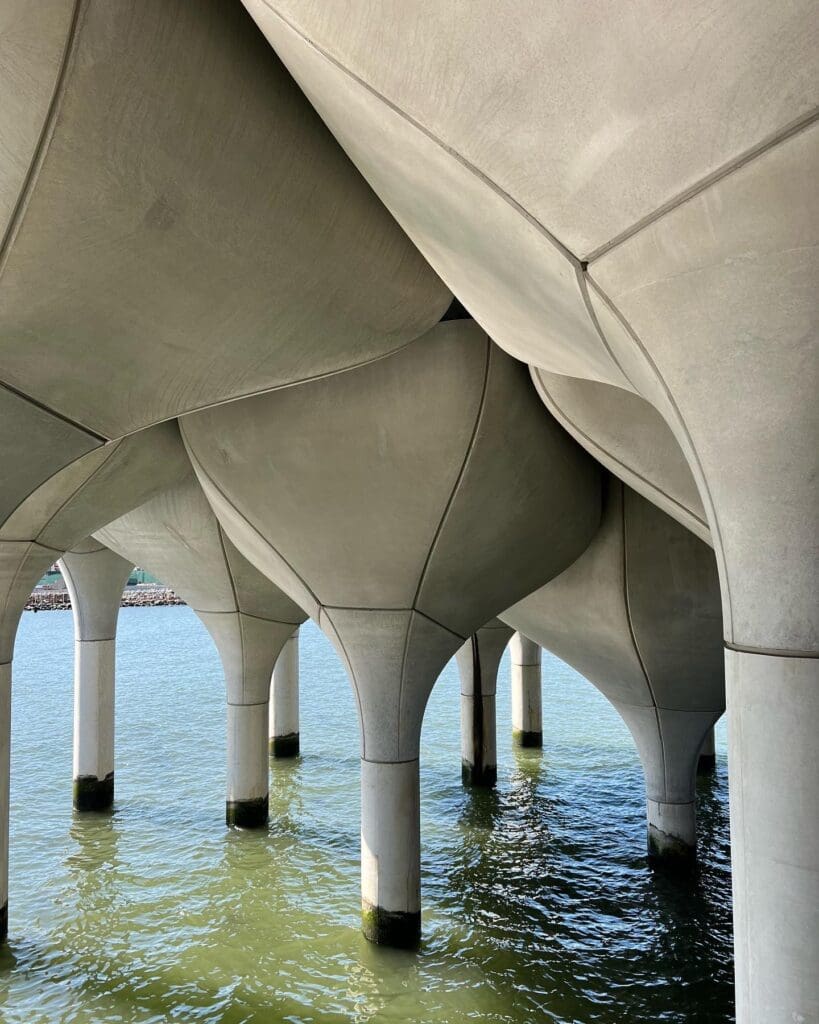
(93, 794)
(400, 929)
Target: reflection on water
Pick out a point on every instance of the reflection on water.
(538, 901)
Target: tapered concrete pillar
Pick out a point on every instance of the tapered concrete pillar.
(773, 766)
(391, 853)
(246, 804)
(707, 762)
(478, 661)
(284, 701)
(400, 541)
(639, 615)
(248, 648)
(527, 714)
(95, 578)
(5, 772)
(669, 743)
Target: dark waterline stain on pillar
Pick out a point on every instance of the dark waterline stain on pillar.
(523, 738)
(400, 929)
(247, 813)
(285, 746)
(93, 794)
(478, 773)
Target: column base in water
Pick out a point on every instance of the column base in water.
(400, 929)
(521, 738)
(672, 832)
(284, 746)
(247, 813)
(93, 794)
(4, 922)
(391, 853)
(481, 776)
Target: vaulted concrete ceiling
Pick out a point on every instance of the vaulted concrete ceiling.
(177, 226)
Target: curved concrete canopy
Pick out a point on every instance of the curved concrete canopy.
(177, 226)
(399, 504)
(630, 438)
(85, 495)
(624, 236)
(177, 537)
(638, 614)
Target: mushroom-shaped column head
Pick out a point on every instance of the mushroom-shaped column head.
(639, 616)
(177, 537)
(402, 504)
(478, 663)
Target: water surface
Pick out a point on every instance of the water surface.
(538, 902)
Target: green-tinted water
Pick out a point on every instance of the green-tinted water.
(538, 903)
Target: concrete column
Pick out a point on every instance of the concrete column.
(248, 648)
(707, 763)
(773, 766)
(284, 701)
(95, 578)
(391, 853)
(478, 661)
(527, 718)
(5, 771)
(668, 742)
(246, 805)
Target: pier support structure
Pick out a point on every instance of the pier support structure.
(527, 714)
(95, 578)
(707, 762)
(478, 663)
(284, 701)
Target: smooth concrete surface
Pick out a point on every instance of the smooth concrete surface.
(5, 774)
(773, 766)
(638, 614)
(177, 537)
(478, 662)
(628, 436)
(377, 499)
(391, 853)
(284, 701)
(95, 578)
(246, 803)
(527, 697)
(145, 253)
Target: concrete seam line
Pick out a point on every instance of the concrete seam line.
(699, 478)
(428, 133)
(227, 566)
(114, 449)
(18, 213)
(54, 412)
(771, 141)
(199, 468)
(633, 636)
(98, 640)
(247, 615)
(351, 671)
(269, 390)
(552, 404)
(770, 652)
(582, 283)
(465, 462)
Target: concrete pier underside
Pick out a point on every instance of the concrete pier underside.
(258, 232)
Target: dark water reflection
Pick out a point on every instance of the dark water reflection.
(539, 904)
